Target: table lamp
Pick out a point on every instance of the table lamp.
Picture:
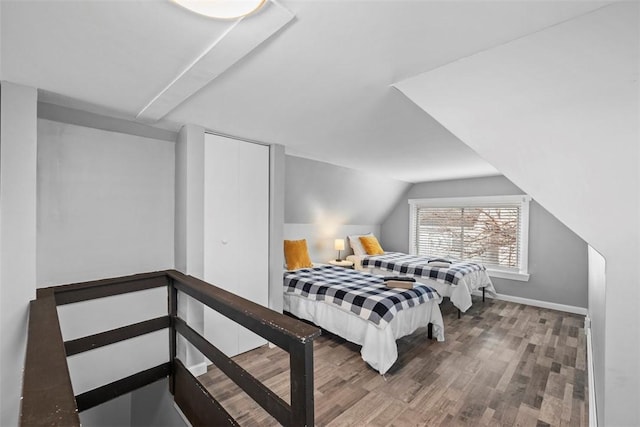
(339, 246)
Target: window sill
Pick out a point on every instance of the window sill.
(510, 275)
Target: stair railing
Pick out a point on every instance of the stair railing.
(48, 397)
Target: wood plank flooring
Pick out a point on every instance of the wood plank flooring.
(502, 364)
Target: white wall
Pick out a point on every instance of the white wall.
(105, 209)
(277, 166)
(105, 204)
(18, 147)
(189, 208)
(189, 233)
(557, 113)
(597, 310)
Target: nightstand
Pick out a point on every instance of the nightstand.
(342, 263)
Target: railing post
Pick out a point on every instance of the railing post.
(301, 367)
(173, 314)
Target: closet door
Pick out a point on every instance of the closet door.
(220, 201)
(253, 233)
(236, 241)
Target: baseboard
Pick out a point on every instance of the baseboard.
(199, 369)
(593, 415)
(537, 303)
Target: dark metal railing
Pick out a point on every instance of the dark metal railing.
(48, 397)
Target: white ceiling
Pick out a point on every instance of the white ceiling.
(321, 85)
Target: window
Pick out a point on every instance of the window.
(492, 231)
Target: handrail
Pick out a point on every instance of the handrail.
(47, 393)
(278, 328)
(77, 292)
(48, 397)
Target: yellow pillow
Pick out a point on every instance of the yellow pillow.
(296, 254)
(371, 245)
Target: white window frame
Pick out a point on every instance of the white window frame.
(454, 202)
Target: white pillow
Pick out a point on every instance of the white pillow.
(356, 244)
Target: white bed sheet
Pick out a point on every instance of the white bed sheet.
(460, 295)
(379, 347)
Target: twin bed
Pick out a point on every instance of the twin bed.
(457, 282)
(359, 307)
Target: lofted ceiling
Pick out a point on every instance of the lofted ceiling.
(314, 76)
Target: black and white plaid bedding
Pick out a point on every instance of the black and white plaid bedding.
(415, 266)
(363, 294)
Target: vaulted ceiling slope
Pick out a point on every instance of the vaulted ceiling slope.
(320, 85)
(558, 112)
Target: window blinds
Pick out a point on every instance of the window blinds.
(486, 234)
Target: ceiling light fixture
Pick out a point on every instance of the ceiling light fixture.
(222, 9)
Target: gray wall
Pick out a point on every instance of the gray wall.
(317, 191)
(324, 202)
(557, 257)
(151, 405)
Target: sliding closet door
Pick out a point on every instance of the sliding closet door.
(236, 241)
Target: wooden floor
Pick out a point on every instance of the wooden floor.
(501, 364)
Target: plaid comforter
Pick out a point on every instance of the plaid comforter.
(411, 265)
(362, 294)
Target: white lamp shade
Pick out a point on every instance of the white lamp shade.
(223, 9)
(339, 245)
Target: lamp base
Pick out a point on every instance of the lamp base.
(338, 260)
